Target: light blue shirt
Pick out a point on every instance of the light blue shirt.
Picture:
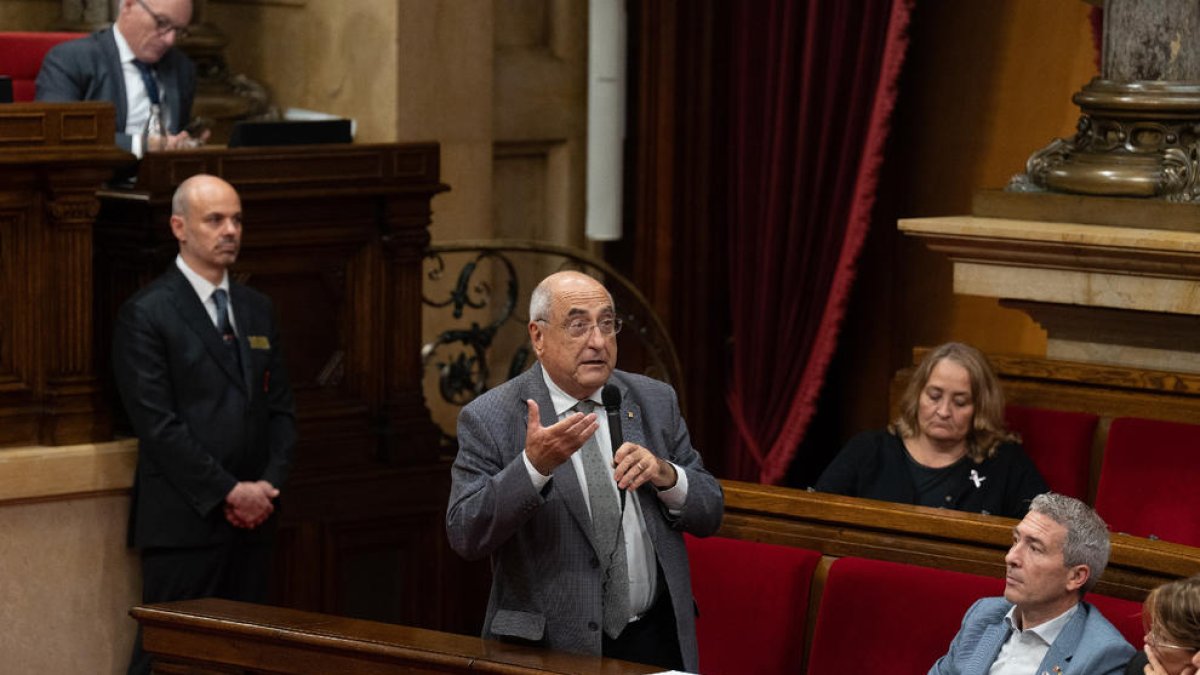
(1024, 650)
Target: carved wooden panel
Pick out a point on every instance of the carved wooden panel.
(53, 157)
(335, 235)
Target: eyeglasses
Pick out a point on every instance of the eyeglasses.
(577, 328)
(163, 25)
(1158, 643)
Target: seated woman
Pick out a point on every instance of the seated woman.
(1171, 615)
(948, 447)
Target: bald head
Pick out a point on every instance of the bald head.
(578, 361)
(206, 218)
(199, 186)
(540, 300)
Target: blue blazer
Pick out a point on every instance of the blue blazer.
(89, 69)
(1087, 645)
(546, 585)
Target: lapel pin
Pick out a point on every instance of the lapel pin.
(629, 414)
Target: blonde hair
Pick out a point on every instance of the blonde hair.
(987, 422)
(1173, 610)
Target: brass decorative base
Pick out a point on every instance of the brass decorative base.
(1136, 139)
(222, 97)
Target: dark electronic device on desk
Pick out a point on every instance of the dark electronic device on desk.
(289, 132)
(6, 93)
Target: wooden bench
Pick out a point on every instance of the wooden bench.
(855, 538)
(223, 636)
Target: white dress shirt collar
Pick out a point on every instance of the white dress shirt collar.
(562, 400)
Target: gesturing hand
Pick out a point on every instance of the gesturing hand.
(547, 447)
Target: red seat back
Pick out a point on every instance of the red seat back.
(1125, 615)
(1151, 469)
(21, 57)
(1060, 444)
(752, 600)
(884, 617)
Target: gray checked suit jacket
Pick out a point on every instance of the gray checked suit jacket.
(1087, 645)
(89, 69)
(546, 582)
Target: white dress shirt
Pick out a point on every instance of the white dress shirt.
(137, 99)
(204, 290)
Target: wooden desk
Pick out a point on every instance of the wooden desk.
(222, 634)
(53, 157)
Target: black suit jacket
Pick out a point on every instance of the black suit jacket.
(89, 69)
(202, 423)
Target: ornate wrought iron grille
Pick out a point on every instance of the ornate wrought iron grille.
(476, 296)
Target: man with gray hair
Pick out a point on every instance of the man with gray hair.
(583, 509)
(135, 65)
(1042, 624)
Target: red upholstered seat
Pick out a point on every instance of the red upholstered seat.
(1060, 444)
(884, 617)
(752, 600)
(21, 57)
(1148, 481)
(1126, 615)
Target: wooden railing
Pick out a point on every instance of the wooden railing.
(965, 542)
(212, 635)
(225, 635)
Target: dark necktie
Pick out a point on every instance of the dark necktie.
(221, 298)
(606, 526)
(147, 74)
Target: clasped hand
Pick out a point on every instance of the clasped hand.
(249, 504)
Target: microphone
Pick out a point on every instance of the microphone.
(611, 396)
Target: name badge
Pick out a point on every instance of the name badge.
(259, 342)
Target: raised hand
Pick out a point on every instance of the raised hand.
(547, 447)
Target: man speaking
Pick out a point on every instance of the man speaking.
(586, 543)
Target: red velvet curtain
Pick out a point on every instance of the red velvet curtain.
(813, 85)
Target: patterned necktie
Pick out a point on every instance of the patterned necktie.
(606, 527)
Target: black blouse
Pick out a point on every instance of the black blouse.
(875, 465)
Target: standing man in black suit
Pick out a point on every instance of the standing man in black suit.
(198, 364)
(136, 66)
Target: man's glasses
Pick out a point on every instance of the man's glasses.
(578, 328)
(163, 25)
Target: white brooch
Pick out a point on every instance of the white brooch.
(977, 479)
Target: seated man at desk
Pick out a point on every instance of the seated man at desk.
(135, 65)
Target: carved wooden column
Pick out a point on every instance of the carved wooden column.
(404, 244)
(53, 158)
(71, 403)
